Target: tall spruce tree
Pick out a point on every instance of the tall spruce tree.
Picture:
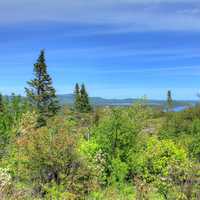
(84, 100)
(77, 98)
(41, 93)
(1, 103)
(169, 101)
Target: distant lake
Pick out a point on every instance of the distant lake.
(180, 108)
(120, 104)
(175, 109)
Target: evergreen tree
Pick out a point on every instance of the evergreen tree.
(41, 93)
(1, 104)
(169, 101)
(84, 100)
(77, 98)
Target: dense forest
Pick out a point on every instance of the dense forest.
(49, 151)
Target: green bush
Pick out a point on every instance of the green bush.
(49, 154)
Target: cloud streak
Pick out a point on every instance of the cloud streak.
(173, 71)
(122, 15)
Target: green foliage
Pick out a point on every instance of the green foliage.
(41, 94)
(10, 117)
(49, 155)
(165, 166)
(125, 192)
(175, 125)
(119, 171)
(115, 136)
(195, 144)
(5, 183)
(58, 192)
(121, 153)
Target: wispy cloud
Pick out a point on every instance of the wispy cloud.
(126, 15)
(110, 51)
(166, 71)
(157, 69)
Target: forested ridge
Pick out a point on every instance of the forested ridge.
(55, 152)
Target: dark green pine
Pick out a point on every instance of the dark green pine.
(85, 104)
(169, 101)
(1, 104)
(77, 98)
(41, 94)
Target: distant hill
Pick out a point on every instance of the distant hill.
(98, 101)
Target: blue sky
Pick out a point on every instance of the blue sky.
(118, 48)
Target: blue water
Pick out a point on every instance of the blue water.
(180, 108)
(175, 109)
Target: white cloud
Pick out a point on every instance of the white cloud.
(124, 15)
(110, 51)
